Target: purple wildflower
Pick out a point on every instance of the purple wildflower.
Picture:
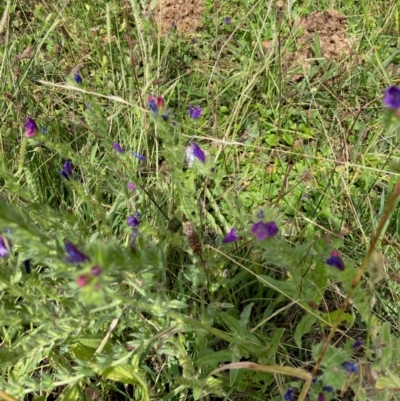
(140, 157)
(350, 367)
(230, 237)
(392, 97)
(357, 344)
(82, 280)
(131, 186)
(96, 270)
(117, 147)
(30, 127)
(77, 78)
(264, 230)
(328, 389)
(227, 20)
(152, 105)
(74, 254)
(66, 172)
(288, 396)
(174, 123)
(5, 246)
(194, 112)
(198, 153)
(321, 397)
(133, 221)
(335, 261)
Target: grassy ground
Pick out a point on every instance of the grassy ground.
(315, 154)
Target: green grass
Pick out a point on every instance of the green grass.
(317, 155)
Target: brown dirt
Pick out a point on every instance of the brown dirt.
(330, 27)
(185, 14)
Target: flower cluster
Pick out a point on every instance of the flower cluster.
(157, 106)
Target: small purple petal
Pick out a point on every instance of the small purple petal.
(174, 123)
(264, 230)
(131, 186)
(350, 367)
(68, 168)
(77, 78)
(140, 157)
(198, 153)
(74, 254)
(230, 237)
(4, 250)
(117, 147)
(194, 112)
(133, 221)
(30, 127)
(288, 396)
(227, 20)
(335, 261)
(392, 97)
(328, 389)
(321, 397)
(152, 105)
(357, 344)
(96, 270)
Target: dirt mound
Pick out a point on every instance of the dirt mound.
(327, 27)
(185, 15)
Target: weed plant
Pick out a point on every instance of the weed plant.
(180, 219)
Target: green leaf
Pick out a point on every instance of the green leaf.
(332, 316)
(245, 315)
(231, 322)
(70, 393)
(303, 327)
(128, 375)
(214, 358)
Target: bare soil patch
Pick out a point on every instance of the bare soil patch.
(185, 15)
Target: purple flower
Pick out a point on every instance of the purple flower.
(288, 396)
(194, 112)
(30, 127)
(77, 78)
(227, 20)
(66, 172)
(335, 261)
(96, 270)
(264, 230)
(328, 389)
(82, 281)
(117, 147)
(198, 153)
(321, 397)
(131, 186)
(350, 367)
(133, 221)
(5, 246)
(74, 254)
(392, 97)
(152, 105)
(230, 237)
(357, 344)
(174, 123)
(140, 157)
